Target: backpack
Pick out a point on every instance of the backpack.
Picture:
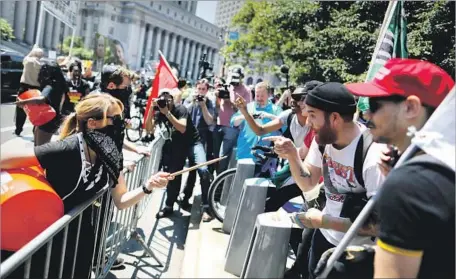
(287, 132)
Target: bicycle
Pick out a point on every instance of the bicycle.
(265, 166)
(134, 130)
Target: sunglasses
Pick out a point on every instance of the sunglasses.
(297, 97)
(376, 103)
(113, 117)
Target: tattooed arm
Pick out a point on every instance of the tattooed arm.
(305, 175)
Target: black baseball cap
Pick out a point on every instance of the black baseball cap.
(301, 91)
(107, 72)
(332, 97)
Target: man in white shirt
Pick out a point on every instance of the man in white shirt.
(330, 108)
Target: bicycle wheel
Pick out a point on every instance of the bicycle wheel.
(134, 132)
(218, 193)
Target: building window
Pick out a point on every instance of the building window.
(84, 26)
(159, 7)
(182, 18)
(167, 11)
(113, 17)
(151, 4)
(179, 3)
(111, 30)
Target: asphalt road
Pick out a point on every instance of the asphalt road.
(7, 124)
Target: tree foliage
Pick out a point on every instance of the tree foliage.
(78, 48)
(6, 31)
(334, 41)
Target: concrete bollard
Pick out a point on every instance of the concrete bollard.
(229, 181)
(245, 169)
(268, 249)
(251, 203)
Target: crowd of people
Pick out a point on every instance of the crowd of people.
(313, 127)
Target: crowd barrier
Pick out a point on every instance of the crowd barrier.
(54, 252)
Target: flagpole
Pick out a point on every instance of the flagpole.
(166, 62)
(386, 20)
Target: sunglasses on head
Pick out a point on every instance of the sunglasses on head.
(376, 103)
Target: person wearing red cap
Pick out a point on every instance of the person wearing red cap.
(416, 206)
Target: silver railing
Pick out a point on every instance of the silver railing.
(87, 240)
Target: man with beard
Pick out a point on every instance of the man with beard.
(78, 88)
(331, 108)
(416, 205)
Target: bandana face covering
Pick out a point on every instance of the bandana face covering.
(107, 144)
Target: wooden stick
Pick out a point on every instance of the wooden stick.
(197, 166)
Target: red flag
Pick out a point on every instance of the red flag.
(164, 78)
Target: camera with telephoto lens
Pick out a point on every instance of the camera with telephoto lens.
(200, 98)
(235, 76)
(224, 92)
(162, 102)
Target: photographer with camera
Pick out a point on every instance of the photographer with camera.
(225, 136)
(343, 153)
(202, 113)
(185, 142)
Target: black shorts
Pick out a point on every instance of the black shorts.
(53, 125)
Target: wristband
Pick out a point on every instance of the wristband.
(146, 191)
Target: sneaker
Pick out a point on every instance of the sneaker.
(118, 263)
(165, 212)
(17, 133)
(185, 205)
(207, 216)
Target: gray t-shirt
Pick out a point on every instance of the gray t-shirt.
(298, 132)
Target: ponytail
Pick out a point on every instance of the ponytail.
(69, 126)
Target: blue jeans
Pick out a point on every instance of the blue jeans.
(225, 139)
(196, 156)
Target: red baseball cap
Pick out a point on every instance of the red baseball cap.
(407, 77)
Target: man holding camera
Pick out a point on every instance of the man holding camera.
(225, 136)
(348, 165)
(184, 139)
(202, 113)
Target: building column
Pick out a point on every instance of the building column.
(31, 18)
(20, 15)
(157, 44)
(185, 58)
(56, 33)
(165, 49)
(47, 35)
(150, 35)
(141, 47)
(217, 67)
(66, 31)
(198, 58)
(172, 55)
(191, 62)
(180, 49)
(89, 29)
(209, 55)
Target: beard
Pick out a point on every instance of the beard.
(325, 135)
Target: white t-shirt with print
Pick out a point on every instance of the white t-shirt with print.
(297, 131)
(340, 168)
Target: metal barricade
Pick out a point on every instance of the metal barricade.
(94, 228)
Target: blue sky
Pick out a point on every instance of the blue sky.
(206, 10)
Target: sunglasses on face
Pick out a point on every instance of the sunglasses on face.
(116, 117)
(376, 103)
(298, 98)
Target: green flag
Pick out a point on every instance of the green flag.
(392, 43)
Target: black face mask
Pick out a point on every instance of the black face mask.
(107, 143)
(118, 93)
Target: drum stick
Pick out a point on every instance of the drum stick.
(197, 166)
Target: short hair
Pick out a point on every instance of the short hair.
(113, 73)
(203, 81)
(263, 84)
(181, 83)
(347, 117)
